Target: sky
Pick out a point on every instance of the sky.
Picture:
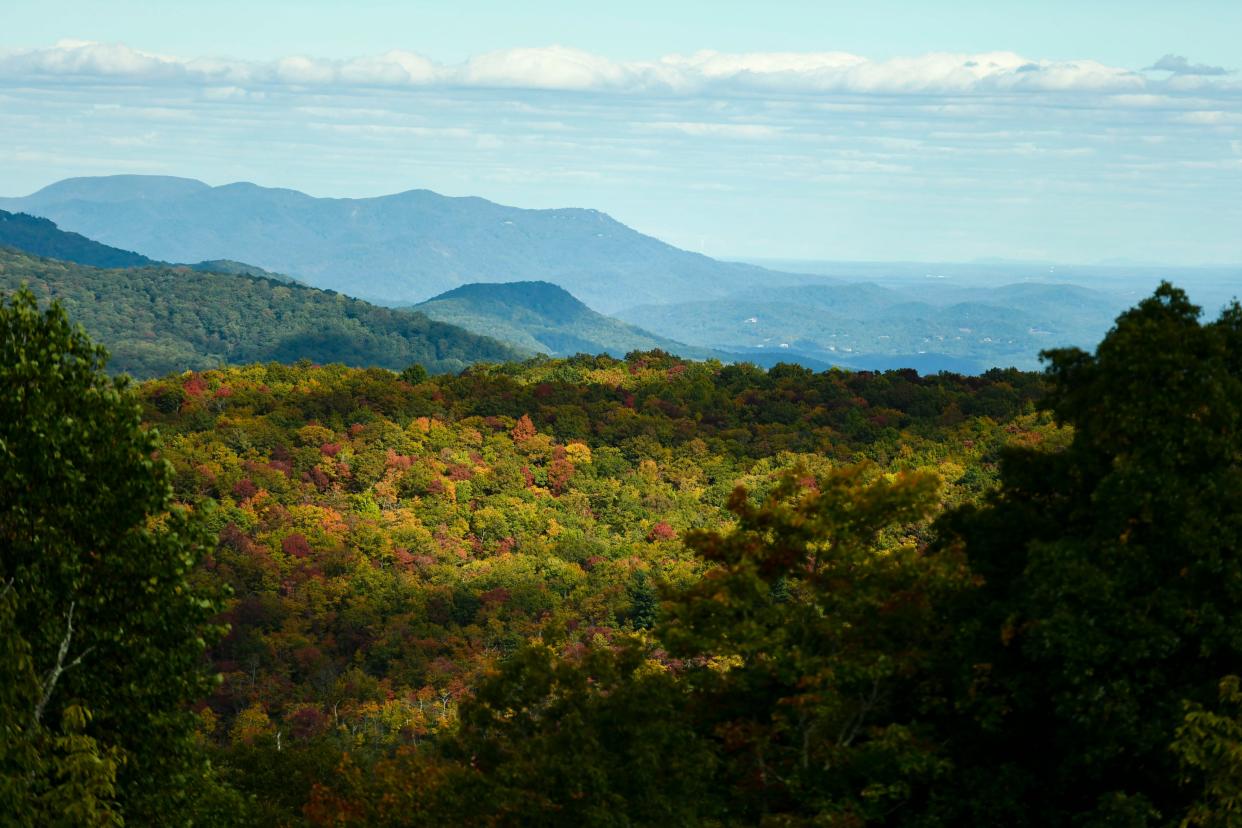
(948, 131)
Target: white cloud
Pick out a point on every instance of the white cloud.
(696, 128)
(550, 68)
(78, 57)
(388, 130)
(146, 139)
(302, 70)
(561, 68)
(394, 68)
(938, 72)
(231, 93)
(1143, 100)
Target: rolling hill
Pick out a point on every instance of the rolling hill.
(396, 249)
(541, 317)
(159, 319)
(41, 237)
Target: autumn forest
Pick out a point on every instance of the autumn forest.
(640, 591)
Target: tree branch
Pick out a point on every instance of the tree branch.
(53, 675)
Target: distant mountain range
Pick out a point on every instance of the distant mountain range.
(157, 318)
(966, 330)
(538, 279)
(396, 249)
(544, 318)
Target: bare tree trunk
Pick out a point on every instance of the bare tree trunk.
(53, 675)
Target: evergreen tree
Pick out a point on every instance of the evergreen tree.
(644, 602)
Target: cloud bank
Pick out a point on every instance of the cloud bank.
(565, 69)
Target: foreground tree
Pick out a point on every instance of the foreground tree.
(596, 738)
(1111, 597)
(101, 634)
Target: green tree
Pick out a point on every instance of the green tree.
(414, 374)
(47, 778)
(644, 602)
(1209, 748)
(1111, 580)
(101, 632)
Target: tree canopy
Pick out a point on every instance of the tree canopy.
(162, 318)
(103, 636)
(627, 592)
(1111, 577)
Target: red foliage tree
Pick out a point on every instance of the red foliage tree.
(244, 489)
(400, 462)
(195, 386)
(560, 471)
(524, 430)
(661, 531)
(295, 545)
(492, 597)
(317, 477)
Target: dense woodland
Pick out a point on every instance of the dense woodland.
(163, 318)
(645, 591)
(41, 237)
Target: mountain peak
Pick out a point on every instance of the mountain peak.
(549, 301)
(118, 188)
(540, 316)
(395, 249)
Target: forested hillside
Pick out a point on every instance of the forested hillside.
(648, 591)
(543, 318)
(161, 319)
(40, 237)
